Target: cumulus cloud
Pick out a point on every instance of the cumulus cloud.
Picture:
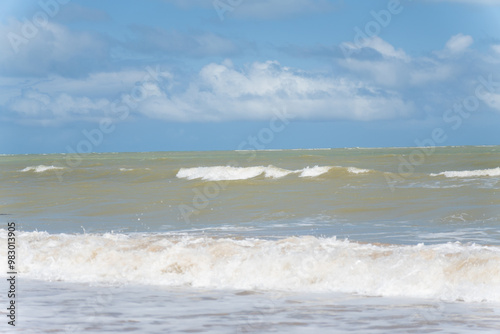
(222, 92)
(455, 47)
(379, 81)
(428, 71)
(492, 100)
(367, 89)
(381, 63)
(49, 49)
(377, 44)
(458, 43)
(61, 99)
(53, 49)
(35, 106)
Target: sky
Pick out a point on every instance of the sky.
(169, 75)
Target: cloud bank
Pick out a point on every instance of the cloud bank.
(65, 75)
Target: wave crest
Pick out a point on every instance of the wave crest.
(355, 170)
(229, 173)
(450, 271)
(470, 173)
(40, 168)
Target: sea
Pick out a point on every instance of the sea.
(351, 240)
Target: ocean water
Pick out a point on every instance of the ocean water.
(327, 240)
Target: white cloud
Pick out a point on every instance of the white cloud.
(390, 70)
(48, 49)
(458, 43)
(378, 44)
(382, 72)
(386, 49)
(397, 70)
(492, 100)
(433, 72)
(96, 85)
(378, 82)
(35, 105)
(220, 92)
(455, 46)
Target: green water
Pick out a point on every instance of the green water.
(393, 195)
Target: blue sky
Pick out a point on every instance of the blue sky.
(165, 75)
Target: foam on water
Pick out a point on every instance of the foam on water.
(314, 171)
(55, 307)
(229, 173)
(39, 168)
(470, 173)
(451, 271)
(355, 170)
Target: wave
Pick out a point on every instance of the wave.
(313, 171)
(470, 173)
(450, 271)
(39, 168)
(355, 170)
(122, 169)
(229, 173)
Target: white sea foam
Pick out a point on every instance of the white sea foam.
(314, 171)
(450, 271)
(355, 170)
(470, 173)
(39, 168)
(275, 172)
(226, 173)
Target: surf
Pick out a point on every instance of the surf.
(230, 173)
(470, 173)
(451, 271)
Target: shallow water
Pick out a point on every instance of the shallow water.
(270, 241)
(49, 307)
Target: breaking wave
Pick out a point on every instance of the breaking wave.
(229, 173)
(39, 168)
(470, 173)
(451, 271)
